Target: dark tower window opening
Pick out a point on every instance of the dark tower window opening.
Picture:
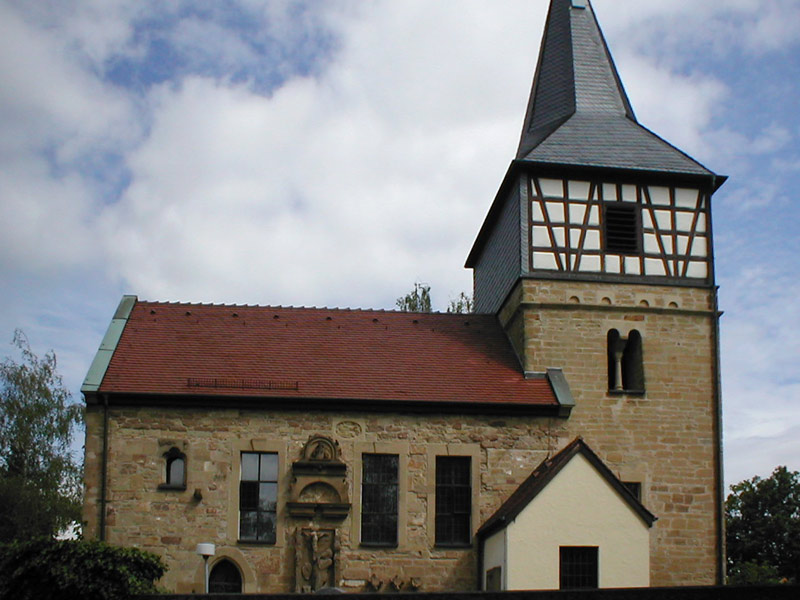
(625, 364)
(621, 228)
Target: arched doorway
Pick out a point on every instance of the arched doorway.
(225, 578)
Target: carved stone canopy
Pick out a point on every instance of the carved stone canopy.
(319, 481)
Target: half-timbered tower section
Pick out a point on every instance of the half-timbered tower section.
(597, 256)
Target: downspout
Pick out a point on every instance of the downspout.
(716, 182)
(104, 471)
(718, 467)
(91, 387)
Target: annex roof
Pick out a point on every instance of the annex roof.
(578, 112)
(544, 474)
(318, 355)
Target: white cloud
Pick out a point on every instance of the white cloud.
(370, 166)
(761, 384)
(678, 107)
(331, 181)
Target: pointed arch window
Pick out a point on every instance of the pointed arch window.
(625, 365)
(174, 470)
(225, 578)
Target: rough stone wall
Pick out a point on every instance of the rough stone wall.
(664, 439)
(171, 523)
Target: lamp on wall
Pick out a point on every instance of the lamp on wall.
(206, 550)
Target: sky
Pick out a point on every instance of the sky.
(334, 152)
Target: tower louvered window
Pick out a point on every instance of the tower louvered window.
(621, 229)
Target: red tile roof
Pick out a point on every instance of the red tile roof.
(324, 355)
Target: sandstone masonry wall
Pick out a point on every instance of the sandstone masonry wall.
(171, 523)
(665, 438)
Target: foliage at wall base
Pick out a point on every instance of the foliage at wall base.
(48, 569)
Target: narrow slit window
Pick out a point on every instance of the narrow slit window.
(174, 470)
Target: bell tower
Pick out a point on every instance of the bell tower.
(597, 257)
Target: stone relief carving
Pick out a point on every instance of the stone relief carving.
(391, 585)
(319, 481)
(316, 553)
(348, 429)
(320, 448)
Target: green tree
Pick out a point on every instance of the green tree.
(45, 569)
(762, 517)
(418, 300)
(462, 304)
(39, 479)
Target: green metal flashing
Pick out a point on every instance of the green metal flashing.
(560, 386)
(109, 344)
(561, 389)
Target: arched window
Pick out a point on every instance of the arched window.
(632, 367)
(625, 365)
(225, 578)
(174, 470)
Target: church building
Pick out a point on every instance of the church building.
(567, 434)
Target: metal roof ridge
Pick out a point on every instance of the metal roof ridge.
(295, 307)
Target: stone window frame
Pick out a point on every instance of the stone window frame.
(254, 482)
(256, 445)
(387, 466)
(473, 451)
(402, 450)
(212, 571)
(169, 453)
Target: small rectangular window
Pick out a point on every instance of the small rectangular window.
(494, 579)
(578, 567)
(258, 497)
(635, 488)
(453, 500)
(621, 232)
(379, 499)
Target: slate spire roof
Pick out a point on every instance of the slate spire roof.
(578, 112)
